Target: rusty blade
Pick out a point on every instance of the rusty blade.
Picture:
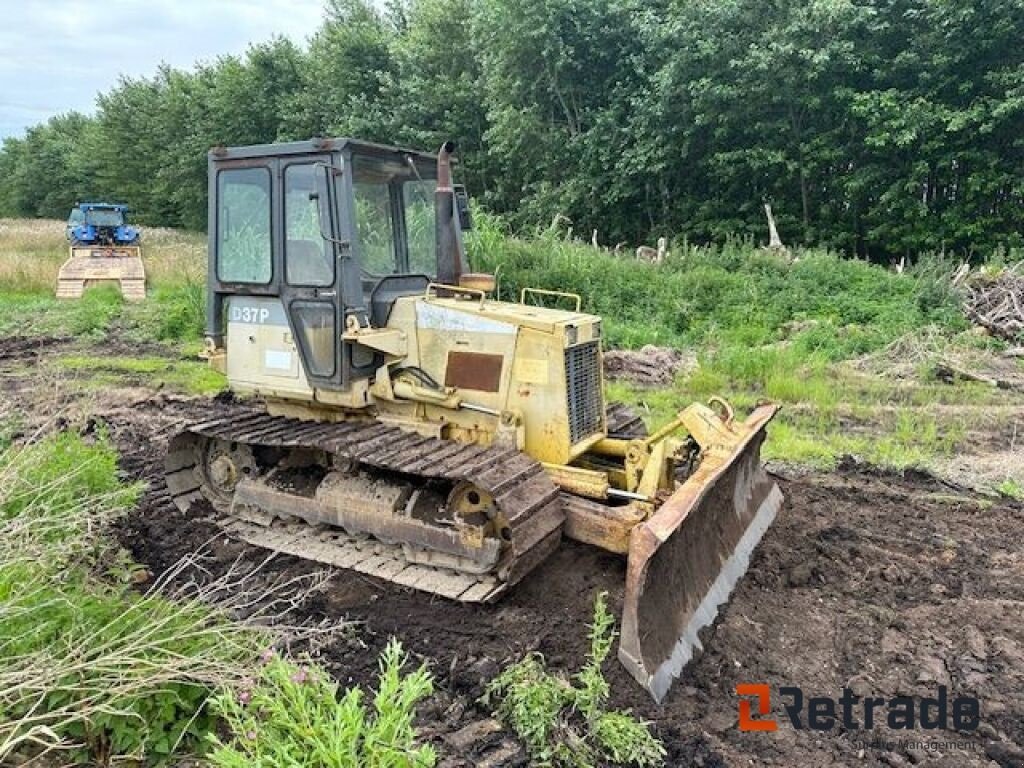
(685, 560)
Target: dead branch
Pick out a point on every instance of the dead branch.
(995, 301)
(949, 372)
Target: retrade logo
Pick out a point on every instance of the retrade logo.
(762, 695)
(853, 712)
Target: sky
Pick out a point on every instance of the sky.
(57, 55)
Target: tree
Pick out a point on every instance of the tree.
(880, 127)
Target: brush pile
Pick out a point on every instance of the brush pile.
(995, 300)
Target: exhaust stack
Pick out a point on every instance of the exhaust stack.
(449, 257)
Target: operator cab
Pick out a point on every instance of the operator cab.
(337, 229)
(103, 223)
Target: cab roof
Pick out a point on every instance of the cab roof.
(311, 146)
(102, 206)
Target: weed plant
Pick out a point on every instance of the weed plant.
(565, 723)
(292, 715)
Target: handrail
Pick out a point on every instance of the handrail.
(544, 292)
(455, 289)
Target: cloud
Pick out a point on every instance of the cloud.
(57, 55)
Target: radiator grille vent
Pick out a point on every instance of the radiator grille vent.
(583, 389)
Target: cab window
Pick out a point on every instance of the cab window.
(375, 227)
(308, 258)
(375, 222)
(243, 226)
(391, 197)
(418, 199)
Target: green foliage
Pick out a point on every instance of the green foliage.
(885, 128)
(89, 635)
(89, 664)
(292, 716)
(733, 296)
(36, 314)
(31, 253)
(175, 312)
(1012, 489)
(565, 723)
(57, 473)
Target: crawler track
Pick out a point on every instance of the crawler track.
(522, 491)
(624, 422)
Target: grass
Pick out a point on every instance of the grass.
(565, 723)
(32, 250)
(96, 668)
(822, 421)
(92, 667)
(847, 348)
(1012, 488)
(189, 376)
(839, 343)
(31, 253)
(35, 314)
(104, 675)
(731, 297)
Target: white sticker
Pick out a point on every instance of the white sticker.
(278, 360)
(445, 319)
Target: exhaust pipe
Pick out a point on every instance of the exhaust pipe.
(449, 258)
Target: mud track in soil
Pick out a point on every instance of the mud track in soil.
(888, 585)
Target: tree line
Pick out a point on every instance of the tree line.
(879, 127)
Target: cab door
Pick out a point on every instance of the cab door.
(309, 285)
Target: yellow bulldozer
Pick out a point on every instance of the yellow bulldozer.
(413, 428)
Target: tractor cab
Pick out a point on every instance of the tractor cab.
(336, 230)
(100, 224)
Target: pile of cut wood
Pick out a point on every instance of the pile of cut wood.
(995, 300)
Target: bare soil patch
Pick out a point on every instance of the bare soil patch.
(29, 347)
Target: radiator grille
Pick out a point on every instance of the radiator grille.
(583, 389)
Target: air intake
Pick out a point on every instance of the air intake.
(583, 390)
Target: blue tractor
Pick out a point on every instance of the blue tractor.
(100, 224)
(104, 248)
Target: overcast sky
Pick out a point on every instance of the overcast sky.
(56, 55)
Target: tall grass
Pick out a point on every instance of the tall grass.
(32, 251)
(91, 668)
(731, 295)
(706, 297)
(104, 675)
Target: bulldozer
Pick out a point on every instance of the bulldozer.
(103, 248)
(398, 420)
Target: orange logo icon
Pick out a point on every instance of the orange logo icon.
(763, 694)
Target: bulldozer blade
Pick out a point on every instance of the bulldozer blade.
(686, 558)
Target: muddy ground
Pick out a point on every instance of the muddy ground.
(889, 585)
